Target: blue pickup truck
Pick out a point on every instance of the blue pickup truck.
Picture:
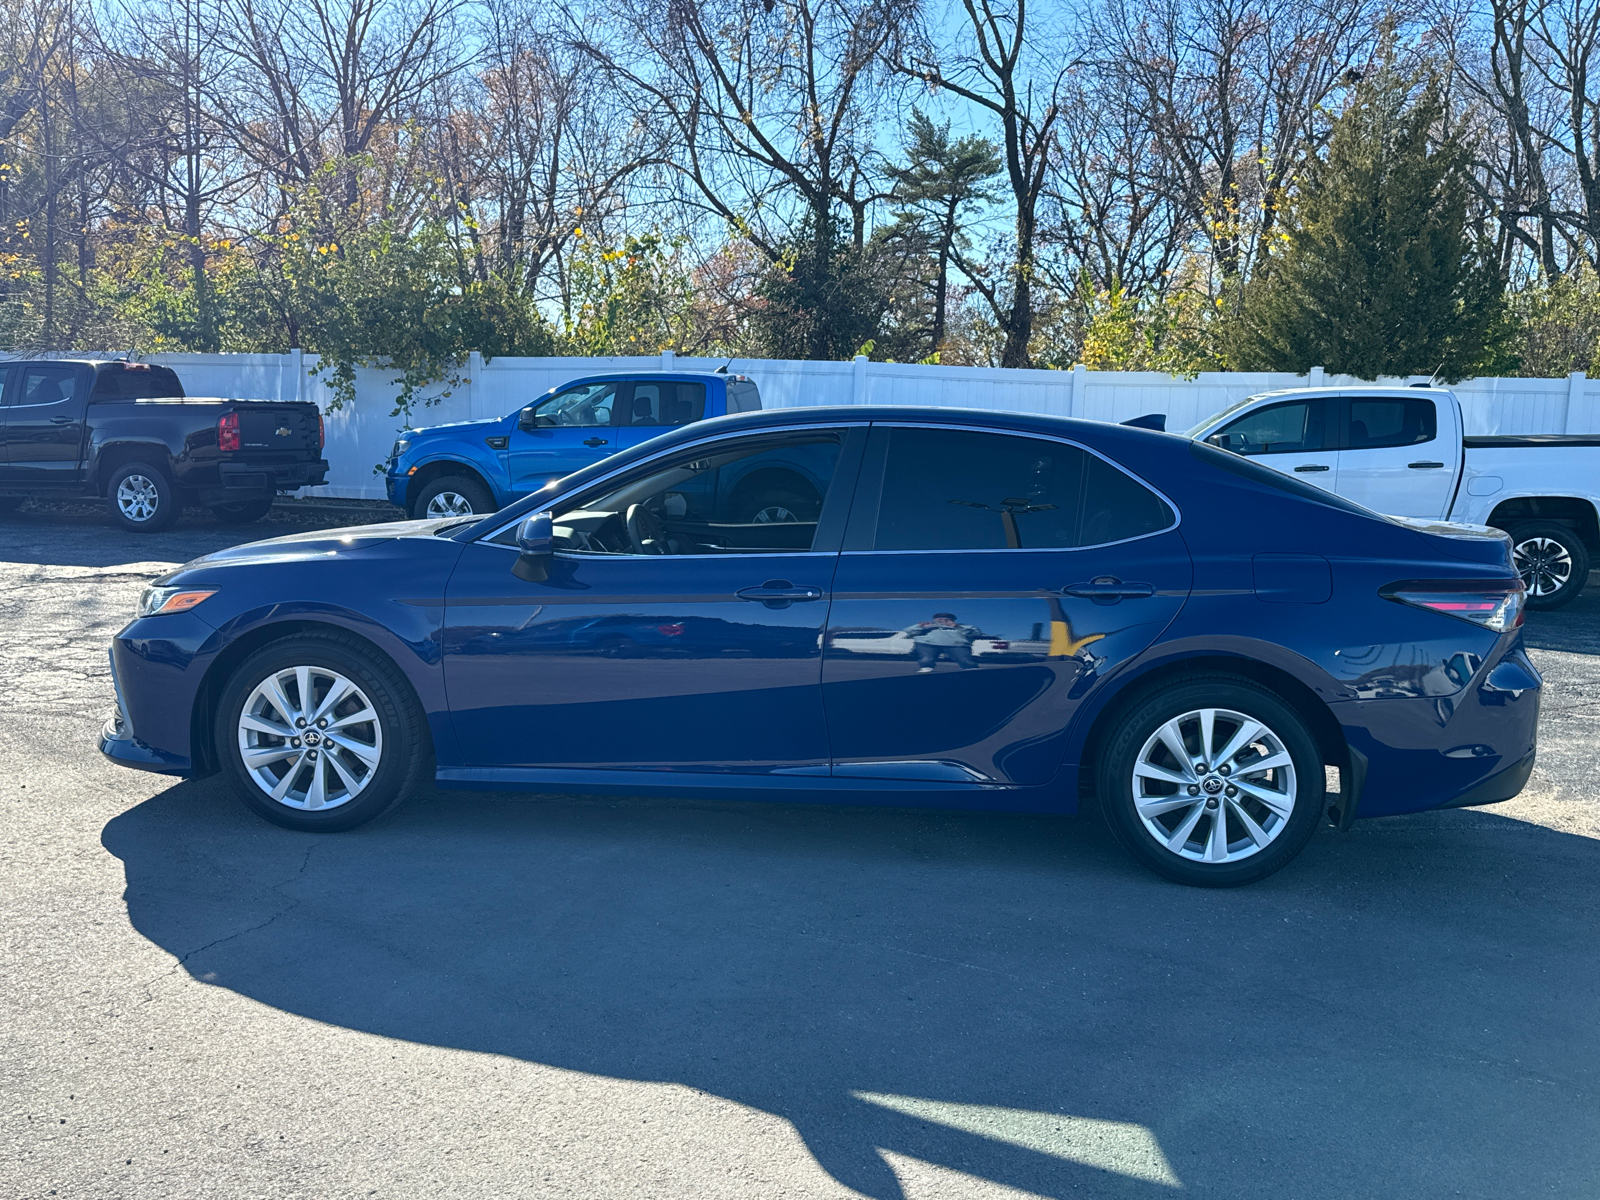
(479, 466)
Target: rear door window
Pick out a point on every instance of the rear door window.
(135, 382)
(948, 489)
(659, 402)
(1391, 421)
(1294, 427)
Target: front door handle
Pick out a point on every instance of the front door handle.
(594, 441)
(779, 593)
(62, 420)
(1108, 589)
(1424, 466)
(1311, 467)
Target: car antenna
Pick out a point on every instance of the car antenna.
(723, 369)
(1432, 379)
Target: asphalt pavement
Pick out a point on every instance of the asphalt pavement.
(553, 996)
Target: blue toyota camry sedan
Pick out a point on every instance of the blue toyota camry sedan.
(927, 607)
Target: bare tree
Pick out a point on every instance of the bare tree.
(1014, 71)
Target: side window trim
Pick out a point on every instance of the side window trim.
(851, 434)
(862, 530)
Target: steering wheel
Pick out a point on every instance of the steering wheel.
(645, 531)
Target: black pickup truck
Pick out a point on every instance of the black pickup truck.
(126, 432)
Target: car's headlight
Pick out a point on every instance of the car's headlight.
(158, 601)
(399, 448)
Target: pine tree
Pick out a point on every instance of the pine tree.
(933, 193)
(1375, 271)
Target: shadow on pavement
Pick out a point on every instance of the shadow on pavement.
(1574, 628)
(1406, 1010)
(80, 534)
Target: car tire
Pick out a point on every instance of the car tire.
(451, 496)
(1552, 560)
(142, 498)
(1144, 787)
(242, 512)
(776, 506)
(374, 765)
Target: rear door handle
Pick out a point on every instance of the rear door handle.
(1108, 589)
(779, 593)
(594, 441)
(1311, 467)
(62, 420)
(1424, 466)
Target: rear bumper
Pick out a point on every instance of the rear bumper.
(250, 481)
(1476, 747)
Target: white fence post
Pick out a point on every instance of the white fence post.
(474, 382)
(1075, 403)
(668, 362)
(1574, 405)
(1315, 379)
(297, 364)
(860, 379)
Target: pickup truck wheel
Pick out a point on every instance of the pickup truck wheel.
(317, 733)
(141, 498)
(1214, 782)
(242, 512)
(451, 496)
(1552, 560)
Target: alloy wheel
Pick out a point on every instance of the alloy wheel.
(310, 738)
(137, 498)
(1544, 564)
(774, 513)
(449, 504)
(1214, 785)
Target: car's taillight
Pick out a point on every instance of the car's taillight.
(1493, 603)
(228, 432)
(322, 434)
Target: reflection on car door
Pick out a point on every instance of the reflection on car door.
(987, 579)
(574, 431)
(1393, 459)
(44, 415)
(692, 643)
(1295, 437)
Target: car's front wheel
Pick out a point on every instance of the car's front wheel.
(1214, 782)
(451, 496)
(1552, 560)
(318, 733)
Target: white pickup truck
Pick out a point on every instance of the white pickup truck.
(1400, 450)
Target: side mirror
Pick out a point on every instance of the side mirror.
(527, 418)
(536, 540)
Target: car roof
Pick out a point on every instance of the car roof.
(601, 376)
(1386, 389)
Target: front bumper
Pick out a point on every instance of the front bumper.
(118, 744)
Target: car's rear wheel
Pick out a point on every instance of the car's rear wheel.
(242, 512)
(318, 733)
(451, 496)
(1213, 782)
(1552, 560)
(142, 498)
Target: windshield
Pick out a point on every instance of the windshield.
(1197, 430)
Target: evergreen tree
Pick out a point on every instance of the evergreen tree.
(823, 301)
(933, 194)
(1376, 272)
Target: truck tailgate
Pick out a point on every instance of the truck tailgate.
(278, 428)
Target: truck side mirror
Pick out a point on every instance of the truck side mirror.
(527, 418)
(536, 540)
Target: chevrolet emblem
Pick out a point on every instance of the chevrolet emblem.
(283, 431)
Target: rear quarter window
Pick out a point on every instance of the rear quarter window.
(117, 382)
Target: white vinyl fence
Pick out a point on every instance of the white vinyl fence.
(360, 434)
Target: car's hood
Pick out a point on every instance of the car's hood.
(457, 426)
(321, 543)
